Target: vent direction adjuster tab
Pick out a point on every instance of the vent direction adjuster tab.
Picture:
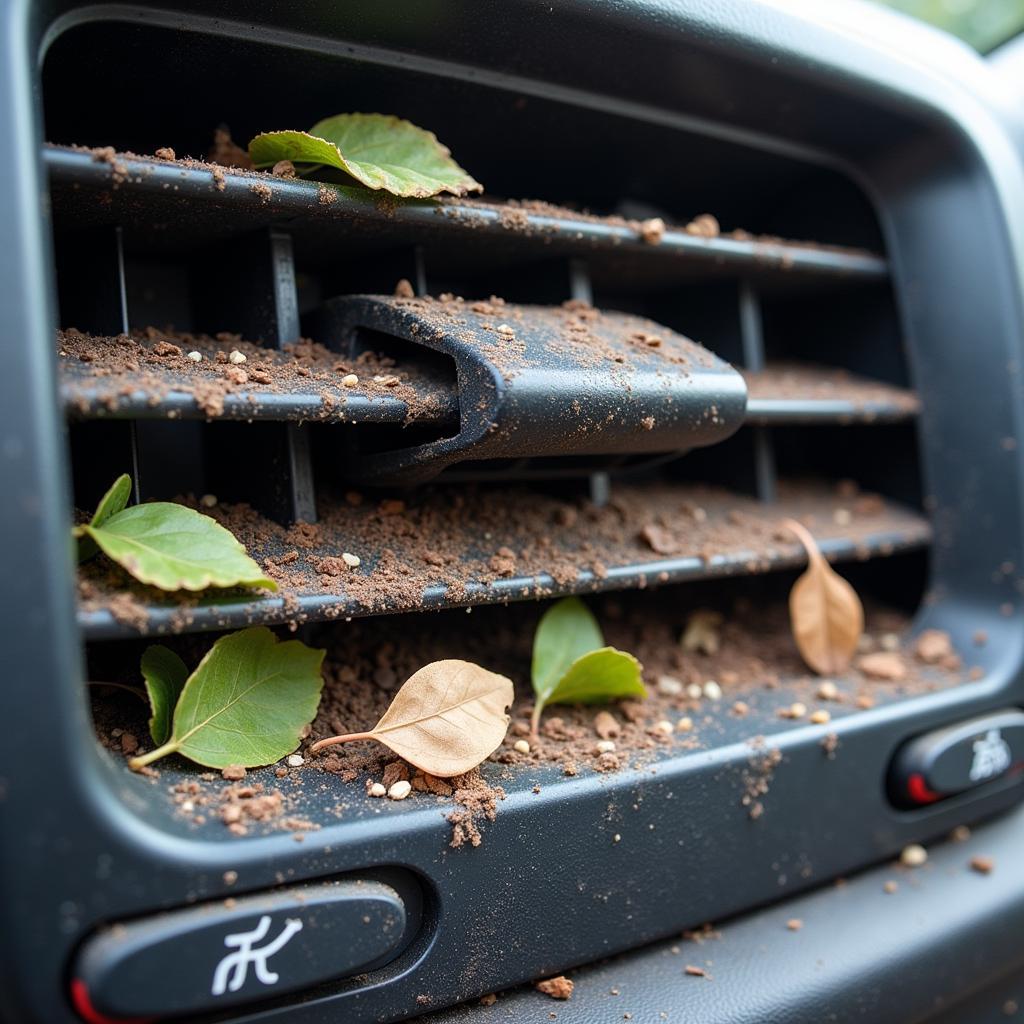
(537, 381)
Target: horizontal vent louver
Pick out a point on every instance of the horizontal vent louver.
(618, 535)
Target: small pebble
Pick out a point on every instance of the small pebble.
(913, 856)
(208, 501)
(400, 790)
(652, 230)
(233, 772)
(712, 690)
(684, 724)
(230, 877)
(196, 357)
(606, 746)
(741, 709)
(236, 357)
(695, 691)
(352, 561)
(983, 865)
(842, 517)
(794, 924)
(523, 747)
(505, 329)
(890, 887)
(889, 642)
(960, 834)
(376, 790)
(821, 717)
(828, 690)
(669, 686)
(665, 727)
(350, 380)
(296, 760)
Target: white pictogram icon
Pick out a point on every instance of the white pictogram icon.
(991, 756)
(237, 964)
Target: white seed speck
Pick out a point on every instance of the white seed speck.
(684, 724)
(521, 746)
(797, 710)
(352, 561)
(606, 746)
(504, 329)
(913, 856)
(236, 357)
(889, 642)
(665, 727)
(712, 690)
(820, 717)
(208, 501)
(695, 691)
(196, 357)
(296, 760)
(400, 790)
(616, 838)
(350, 380)
(376, 790)
(828, 690)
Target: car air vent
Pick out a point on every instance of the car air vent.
(620, 390)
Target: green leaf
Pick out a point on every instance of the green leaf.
(176, 548)
(598, 677)
(566, 631)
(110, 504)
(246, 703)
(164, 674)
(379, 150)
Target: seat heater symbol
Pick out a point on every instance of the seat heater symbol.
(237, 964)
(991, 756)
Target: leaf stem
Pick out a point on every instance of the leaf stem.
(808, 542)
(347, 738)
(538, 707)
(154, 755)
(121, 686)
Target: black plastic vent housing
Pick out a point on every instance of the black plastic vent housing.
(920, 152)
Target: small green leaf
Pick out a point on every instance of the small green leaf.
(176, 548)
(110, 504)
(598, 677)
(164, 674)
(246, 703)
(379, 150)
(566, 631)
(571, 665)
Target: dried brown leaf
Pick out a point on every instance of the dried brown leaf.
(826, 615)
(446, 719)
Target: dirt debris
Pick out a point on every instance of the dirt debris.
(559, 987)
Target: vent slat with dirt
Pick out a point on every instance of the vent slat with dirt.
(474, 545)
(194, 201)
(162, 373)
(797, 393)
(149, 374)
(715, 675)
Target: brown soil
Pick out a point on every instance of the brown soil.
(756, 663)
(469, 539)
(99, 373)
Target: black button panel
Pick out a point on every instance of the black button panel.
(957, 758)
(217, 955)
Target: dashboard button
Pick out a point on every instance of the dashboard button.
(221, 954)
(957, 758)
